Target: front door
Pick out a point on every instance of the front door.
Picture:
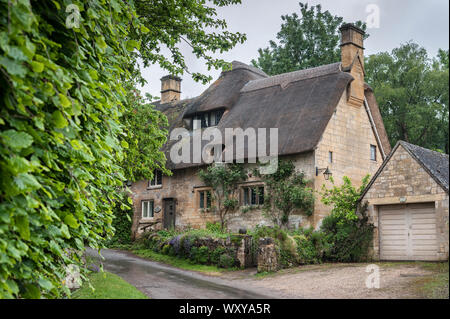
(169, 213)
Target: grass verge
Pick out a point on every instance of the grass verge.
(435, 286)
(179, 263)
(107, 286)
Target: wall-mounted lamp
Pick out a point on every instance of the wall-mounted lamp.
(326, 172)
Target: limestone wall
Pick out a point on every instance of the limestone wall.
(404, 181)
(348, 136)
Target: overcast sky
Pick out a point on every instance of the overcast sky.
(423, 21)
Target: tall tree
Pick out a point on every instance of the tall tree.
(412, 92)
(309, 40)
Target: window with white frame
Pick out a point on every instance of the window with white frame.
(157, 179)
(373, 152)
(147, 208)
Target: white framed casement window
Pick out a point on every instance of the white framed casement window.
(373, 152)
(147, 208)
(156, 182)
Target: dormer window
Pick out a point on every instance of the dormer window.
(207, 119)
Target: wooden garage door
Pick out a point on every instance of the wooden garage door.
(408, 232)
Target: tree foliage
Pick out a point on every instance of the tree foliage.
(412, 92)
(224, 180)
(309, 40)
(192, 22)
(347, 229)
(146, 134)
(60, 138)
(62, 141)
(344, 198)
(286, 191)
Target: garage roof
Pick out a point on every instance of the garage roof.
(434, 163)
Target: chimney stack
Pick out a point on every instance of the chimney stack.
(352, 58)
(170, 89)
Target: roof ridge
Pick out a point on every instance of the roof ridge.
(286, 78)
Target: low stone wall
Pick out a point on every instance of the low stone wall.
(268, 255)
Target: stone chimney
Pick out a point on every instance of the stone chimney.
(170, 89)
(352, 58)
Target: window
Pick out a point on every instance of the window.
(330, 157)
(373, 152)
(147, 208)
(204, 199)
(157, 179)
(206, 119)
(253, 196)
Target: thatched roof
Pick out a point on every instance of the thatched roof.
(299, 104)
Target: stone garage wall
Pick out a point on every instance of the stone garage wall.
(404, 181)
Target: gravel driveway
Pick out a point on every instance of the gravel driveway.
(397, 280)
(339, 281)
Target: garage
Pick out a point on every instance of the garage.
(408, 232)
(408, 204)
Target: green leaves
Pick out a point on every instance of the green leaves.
(58, 119)
(71, 221)
(412, 92)
(16, 140)
(23, 226)
(306, 40)
(37, 67)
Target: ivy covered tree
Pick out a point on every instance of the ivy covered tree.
(63, 93)
(309, 40)
(286, 191)
(224, 180)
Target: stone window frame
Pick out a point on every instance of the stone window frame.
(374, 149)
(156, 175)
(153, 209)
(205, 198)
(258, 202)
(330, 157)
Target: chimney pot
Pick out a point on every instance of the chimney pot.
(170, 88)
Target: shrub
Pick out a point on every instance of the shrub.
(202, 255)
(349, 239)
(215, 255)
(213, 227)
(226, 261)
(166, 249)
(121, 222)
